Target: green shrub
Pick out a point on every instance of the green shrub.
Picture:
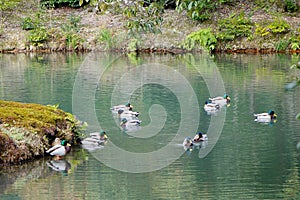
(60, 3)
(291, 6)
(295, 42)
(234, 26)
(106, 37)
(282, 45)
(277, 26)
(200, 9)
(203, 37)
(27, 24)
(70, 31)
(38, 36)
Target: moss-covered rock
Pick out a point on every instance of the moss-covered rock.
(26, 130)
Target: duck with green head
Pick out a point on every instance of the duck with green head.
(265, 117)
(221, 100)
(60, 150)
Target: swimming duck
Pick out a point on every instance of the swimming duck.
(127, 106)
(265, 117)
(132, 122)
(200, 137)
(94, 141)
(59, 150)
(221, 100)
(211, 107)
(128, 114)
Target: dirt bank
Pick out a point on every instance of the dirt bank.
(27, 130)
(174, 29)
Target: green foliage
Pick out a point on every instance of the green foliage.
(27, 24)
(141, 16)
(200, 9)
(203, 37)
(234, 26)
(8, 4)
(291, 6)
(60, 3)
(282, 45)
(106, 37)
(133, 45)
(70, 31)
(38, 36)
(295, 42)
(38, 33)
(277, 26)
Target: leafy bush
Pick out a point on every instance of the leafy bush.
(142, 16)
(277, 26)
(295, 42)
(282, 45)
(200, 9)
(8, 4)
(234, 26)
(60, 3)
(203, 37)
(106, 37)
(38, 36)
(70, 32)
(291, 6)
(27, 24)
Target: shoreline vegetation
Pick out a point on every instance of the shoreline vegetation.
(230, 27)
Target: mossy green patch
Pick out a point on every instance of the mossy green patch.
(31, 128)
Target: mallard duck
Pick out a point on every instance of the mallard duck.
(211, 107)
(59, 150)
(200, 137)
(132, 122)
(94, 141)
(265, 117)
(127, 106)
(128, 114)
(220, 100)
(187, 142)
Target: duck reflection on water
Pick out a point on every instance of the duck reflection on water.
(62, 166)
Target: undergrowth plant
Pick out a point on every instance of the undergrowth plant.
(277, 26)
(200, 10)
(204, 38)
(236, 25)
(70, 31)
(106, 37)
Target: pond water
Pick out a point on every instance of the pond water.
(242, 159)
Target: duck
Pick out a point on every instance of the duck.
(131, 122)
(187, 144)
(128, 114)
(60, 150)
(211, 107)
(265, 117)
(94, 141)
(127, 106)
(220, 100)
(199, 137)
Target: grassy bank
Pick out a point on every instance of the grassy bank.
(243, 27)
(27, 130)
